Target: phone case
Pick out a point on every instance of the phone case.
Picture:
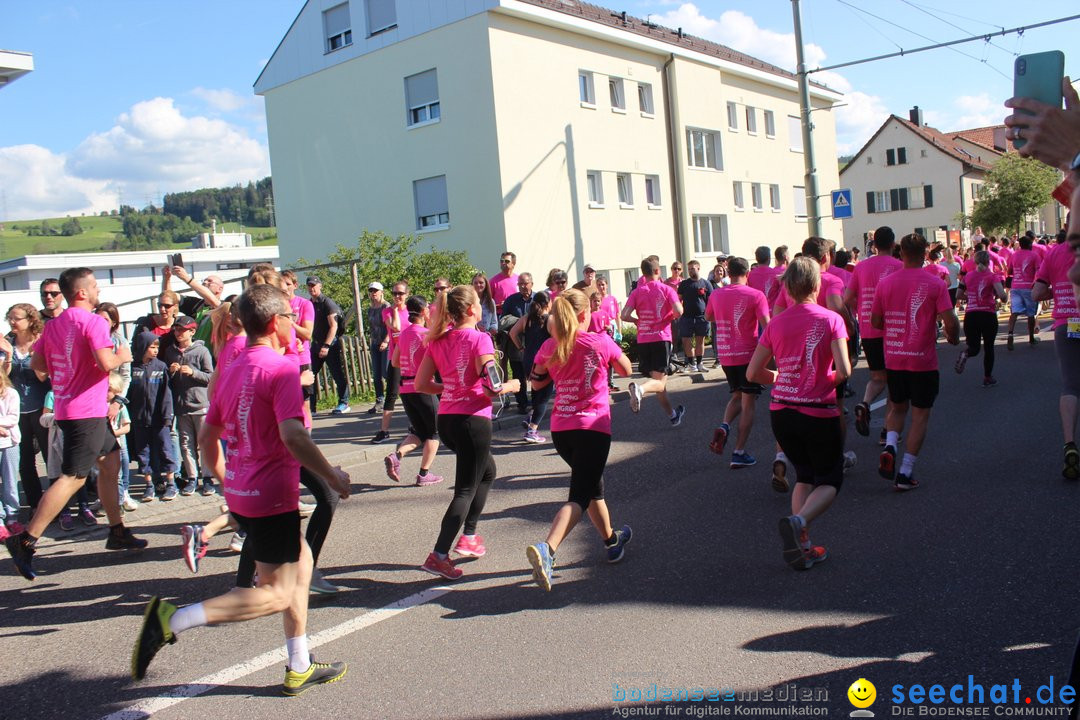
(1038, 76)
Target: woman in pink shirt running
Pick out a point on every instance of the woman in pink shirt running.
(465, 359)
(809, 344)
(981, 288)
(576, 361)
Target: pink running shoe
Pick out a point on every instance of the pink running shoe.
(470, 548)
(4, 533)
(15, 527)
(429, 479)
(393, 466)
(442, 567)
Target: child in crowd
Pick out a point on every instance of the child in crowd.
(121, 426)
(151, 406)
(190, 367)
(10, 437)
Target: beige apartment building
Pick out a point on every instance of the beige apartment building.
(561, 131)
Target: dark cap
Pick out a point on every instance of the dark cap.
(186, 322)
(313, 280)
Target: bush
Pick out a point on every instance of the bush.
(629, 341)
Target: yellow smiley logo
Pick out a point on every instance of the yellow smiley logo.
(862, 693)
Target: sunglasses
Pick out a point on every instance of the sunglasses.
(50, 293)
(166, 306)
(373, 290)
(398, 294)
(441, 288)
(561, 282)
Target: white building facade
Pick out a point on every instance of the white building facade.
(550, 128)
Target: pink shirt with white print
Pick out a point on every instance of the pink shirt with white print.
(1054, 271)
(411, 351)
(1024, 265)
(736, 310)
(653, 303)
(864, 282)
(581, 389)
(801, 342)
(403, 322)
(454, 355)
(910, 300)
(979, 286)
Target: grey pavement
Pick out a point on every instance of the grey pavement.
(972, 574)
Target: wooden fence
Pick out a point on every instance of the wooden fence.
(356, 359)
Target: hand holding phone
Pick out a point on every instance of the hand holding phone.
(1037, 76)
(1039, 127)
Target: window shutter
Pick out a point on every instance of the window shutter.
(890, 157)
(421, 89)
(870, 203)
(903, 199)
(336, 20)
(431, 196)
(381, 15)
(901, 156)
(894, 199)
(928, 195)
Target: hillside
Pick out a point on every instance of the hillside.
(98, 233)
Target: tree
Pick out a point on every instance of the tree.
(1015, 188)
(71, 227)
(388, 260)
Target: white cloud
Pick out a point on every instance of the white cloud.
(224, 100)
(968, 111)
(152, 149)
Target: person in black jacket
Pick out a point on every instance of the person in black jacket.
(150, 404)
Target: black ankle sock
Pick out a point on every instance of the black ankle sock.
(398, 453)
(613, 539)
(27, 539)
(117, 529)
(423, 472)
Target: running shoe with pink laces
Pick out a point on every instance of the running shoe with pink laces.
(194, 547)
(429, 479)
(473, 547)
(443, 567)
(814, 553)
(393, 466)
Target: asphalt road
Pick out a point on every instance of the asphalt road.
(972, 574)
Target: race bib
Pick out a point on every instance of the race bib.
(1073, 329)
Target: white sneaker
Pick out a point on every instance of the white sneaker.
(635, 397)
(320, 585)
(129, 504)
(850, 458)
(306, 509)
(236, 544)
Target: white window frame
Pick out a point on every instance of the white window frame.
(710, 234)
(732, 117)
(586, 89)
(774, 197)
(653, 195)
(916, 199)
(739, 198)
(617, 95)
(376, 28)
(594, 183)
(645, 100)
(795, 143)
(756, 198)
(698, 158)
(882, 201)
(423, 113)
(799, 201)
(625, 185)
(432, 222)
(751, 120)
(344, 35)
(770, 124)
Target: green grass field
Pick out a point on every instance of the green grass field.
(97, 233)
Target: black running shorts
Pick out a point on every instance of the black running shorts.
(85, 440)
(874, 351)
(737, 382)
(918, 388)
(276, 538)
(814, 445)
(653, 357)
(421, 409)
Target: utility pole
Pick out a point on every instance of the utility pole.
(812, 217)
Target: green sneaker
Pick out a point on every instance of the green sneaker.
(154, 635)
(317, 674)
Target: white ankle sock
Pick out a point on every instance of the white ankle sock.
(299, 655)
(187, 617)
(908, 464)
(781, 457)
(892, 438)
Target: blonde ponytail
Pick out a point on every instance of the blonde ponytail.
(565, 324)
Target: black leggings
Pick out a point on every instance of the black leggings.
(586, 452)
(981, 326)
(814, 446)
(32, 434)
(393, 384)
(326, 501)
(469, 436)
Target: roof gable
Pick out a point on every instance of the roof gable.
(937, 139)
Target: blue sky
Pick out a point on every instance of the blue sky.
(130, 99)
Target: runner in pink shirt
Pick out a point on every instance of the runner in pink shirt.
(740, 313)
(76, 351)
(1023, 266)
(504, 283)
(935, 268)
(576, 362)
(860, 298)
(420, 408)
(465, 360)
(981, 288)
(762, 277)
(652, 306)
(809, 344)
(907, 305)
(395, 319)
(781, 257)
(258, 409)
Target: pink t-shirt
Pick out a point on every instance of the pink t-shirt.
(411, 350)
(599, 321)
(1054, 271)
(1041, 250)
(403, 322)
(774, 290)
(736, 310)
(258, 391)
(938, 271)
(230, 350)
(830, 286)
(653, 302)
(868, 273)
(502, 287)
(610, 305)
(801, 341)
(581, 391)
(762, 277)
(69, 344)
(1024, 264)
(910, 300)
(979, 286)
(305, 312)
(844, 275)
(454, 355)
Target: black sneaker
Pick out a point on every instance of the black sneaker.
(316, 674)
(1071, 469)
(375, 409)
(124, 540)
(1009, 342)
(887, 463)
(906, 482)
(676, 421)
(154, 635)
(862, 419)
(380, 437)
(22, 554)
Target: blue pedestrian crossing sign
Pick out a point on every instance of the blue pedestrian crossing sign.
(841, 204)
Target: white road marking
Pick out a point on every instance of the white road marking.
(879, 404)
(146, 708)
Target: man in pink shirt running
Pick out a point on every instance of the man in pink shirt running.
(652, 307)
(907, 305)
